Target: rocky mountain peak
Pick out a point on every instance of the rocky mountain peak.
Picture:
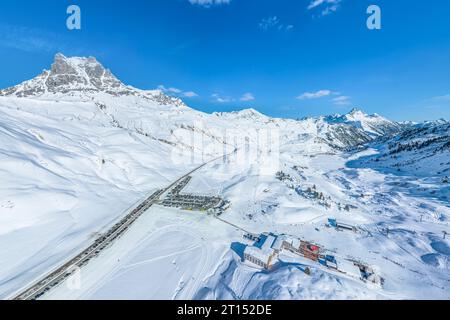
(80, 74)
(357, 114)
(69, 75)
(245, 114)
(356, 111)
(374, 125)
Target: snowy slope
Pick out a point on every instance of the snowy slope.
(78, 148)
(69, 168)
(375, 125)
(422, 150)
(152, 112)
(412, 256)
(66, 174)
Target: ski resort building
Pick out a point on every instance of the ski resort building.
(270, 246)
(350, 268)
(263, 256)
(267, 248)
(341, 226)
(300, 247)
(210, 204)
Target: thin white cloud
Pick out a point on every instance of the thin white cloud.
(327, 6)
(177, 92)
(190, 94)
(442, 98)
(218, 98)
(339, 100)
(289, 27)
(330, 10)
(315, 95)
(317, 3)
(342, 101)
(170, 90)
(269, 23)
(29, 39)
(37, 40)
(209, 3)
(247, 97)
(274, 23)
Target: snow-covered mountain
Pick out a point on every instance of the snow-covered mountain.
(422, 149)
(86, 80)
(78, 148)
(66, 75)
(374, 125)
(85, 76)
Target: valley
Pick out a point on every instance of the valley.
(80, 150)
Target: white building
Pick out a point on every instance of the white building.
(349, 267)
(268, 242)
(265, 256)
(279, 244)
(262, 258)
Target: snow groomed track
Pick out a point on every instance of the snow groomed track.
(61, 274)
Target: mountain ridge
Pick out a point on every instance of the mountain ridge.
(75, 160)
(86, 79)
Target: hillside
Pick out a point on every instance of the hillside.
(78, 149)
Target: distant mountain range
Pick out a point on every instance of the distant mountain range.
(154, 113)
(78, 147)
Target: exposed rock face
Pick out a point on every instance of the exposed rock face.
(87, 80)
(73, 74)
(342, 136)
(374, 125)
(63, 74)
(82, 75)
(423, 149)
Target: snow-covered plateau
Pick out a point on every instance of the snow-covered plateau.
(79, 150)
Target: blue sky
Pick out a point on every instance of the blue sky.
(286, 58)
